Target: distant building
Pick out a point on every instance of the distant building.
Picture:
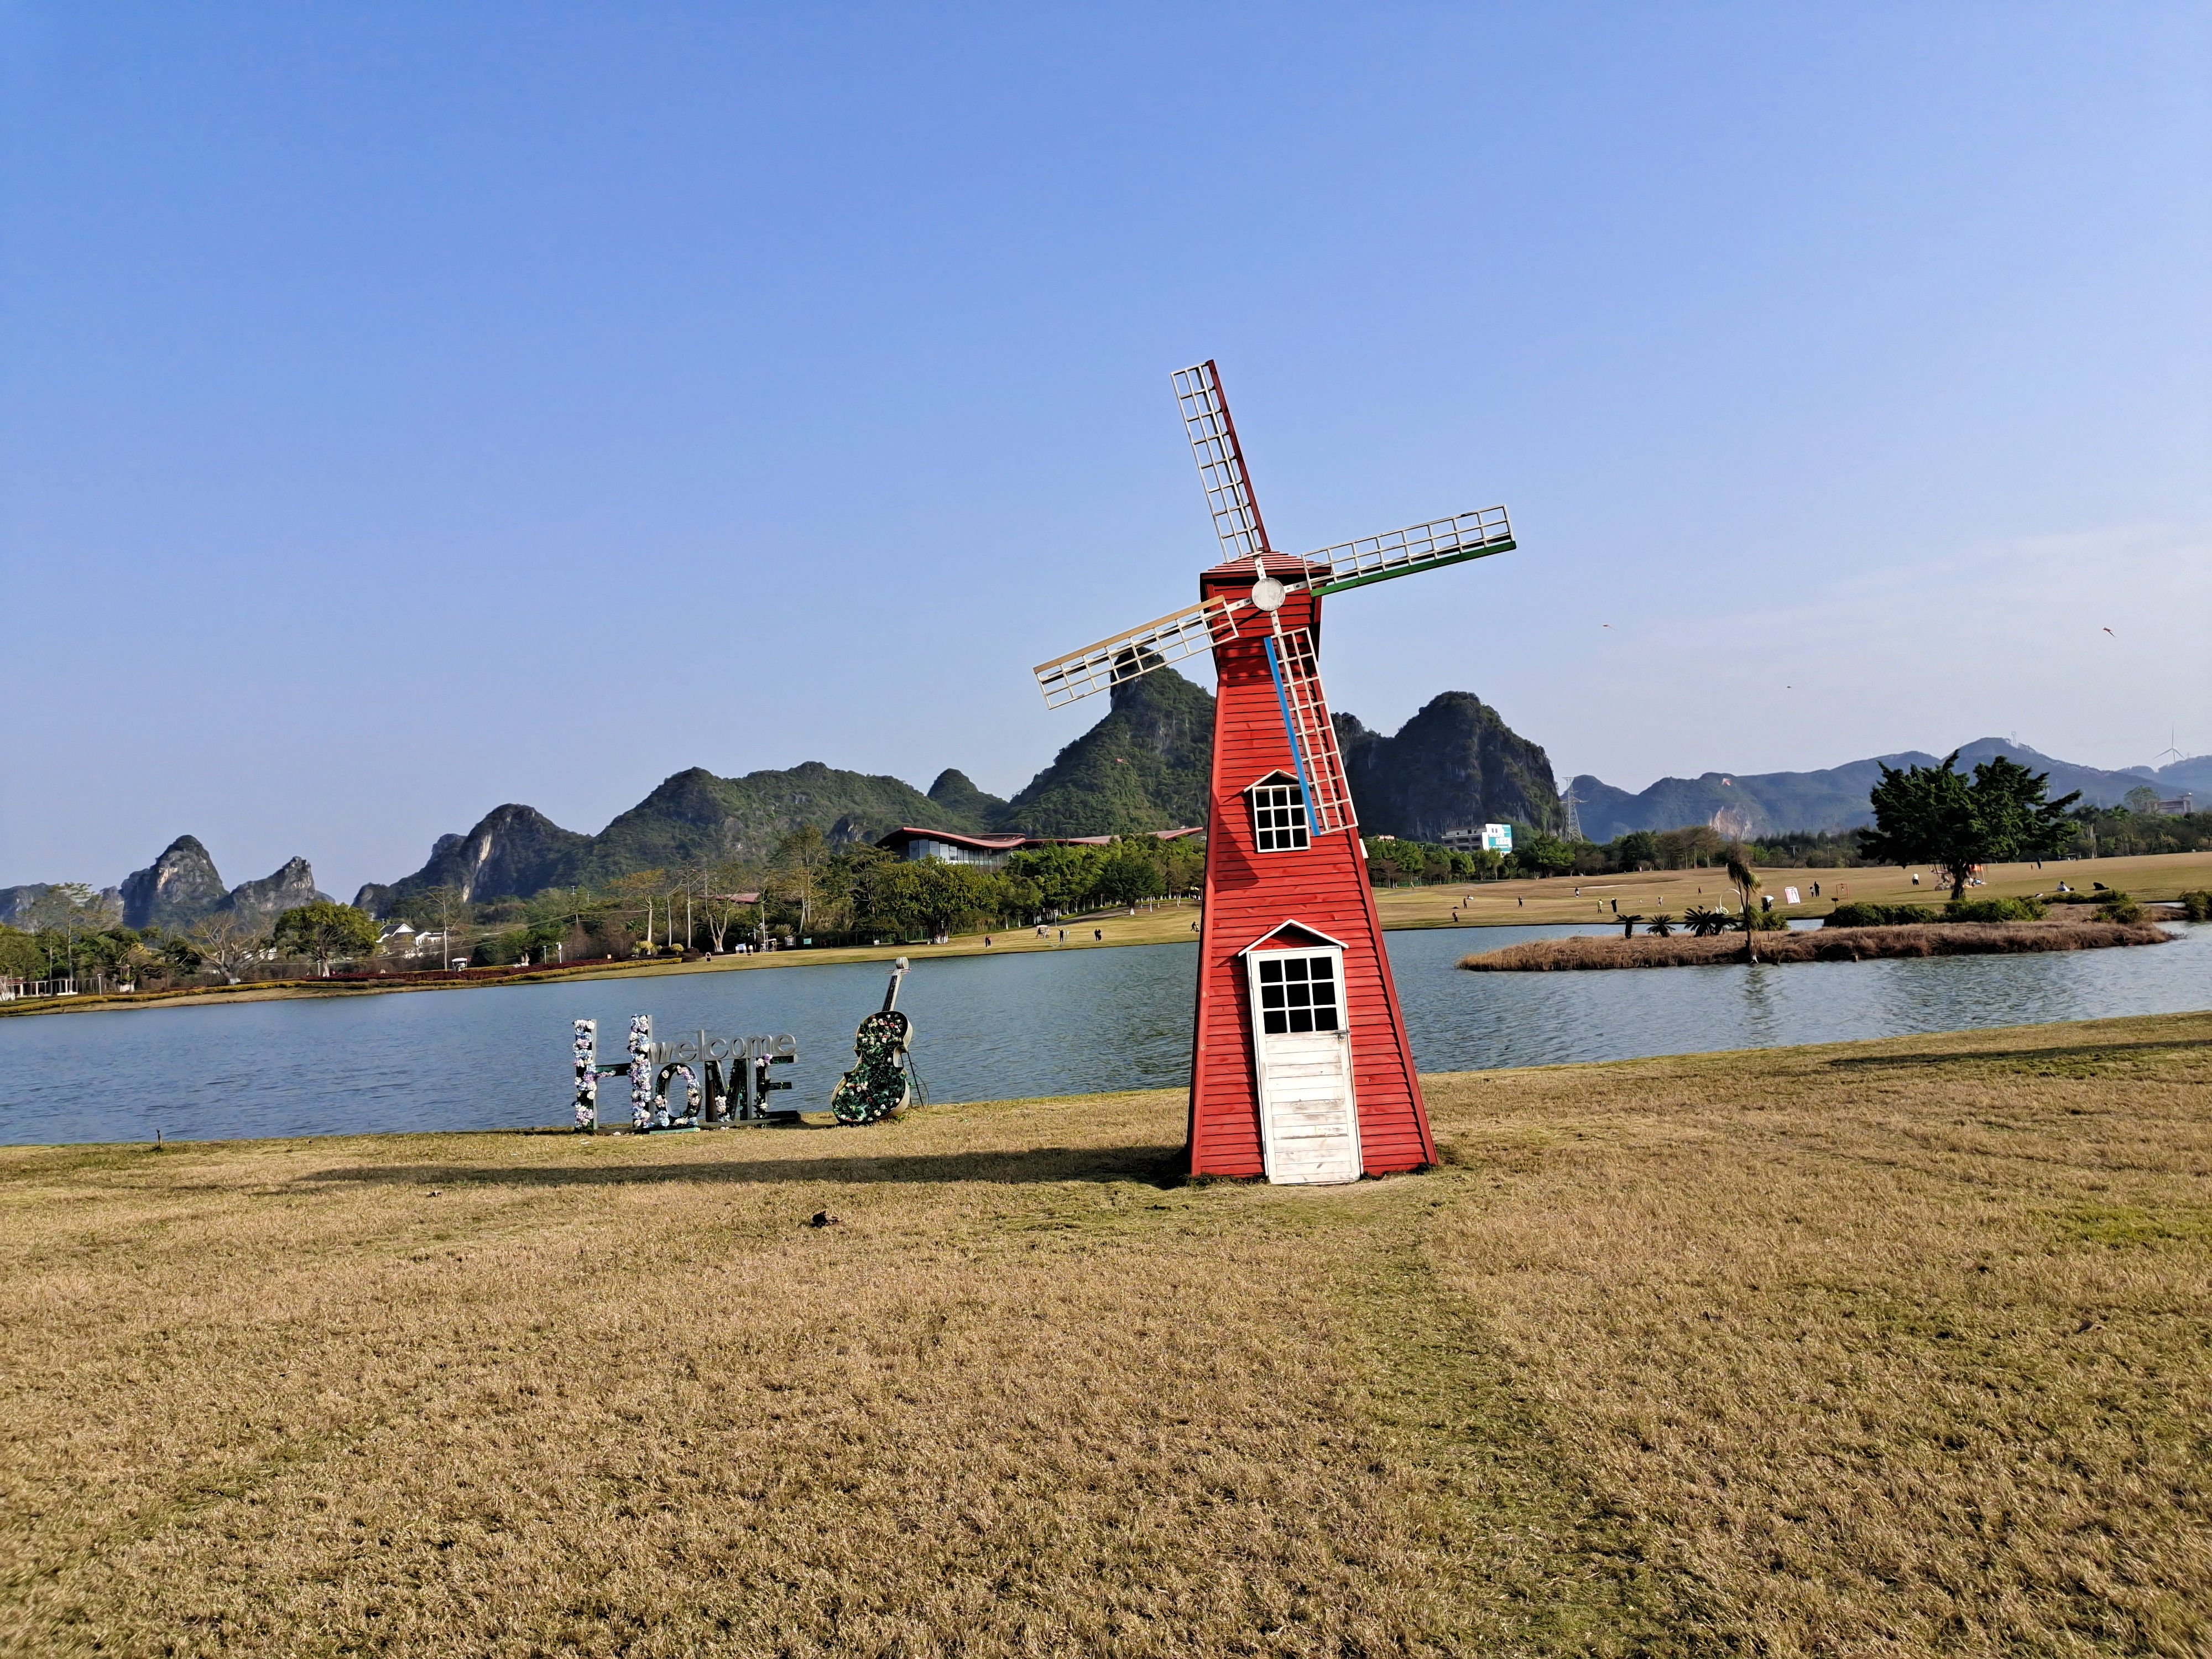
(2175, 809)
(991, 851)
(1491, 838)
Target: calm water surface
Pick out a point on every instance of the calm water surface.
(988, 1028)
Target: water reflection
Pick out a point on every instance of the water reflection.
(989, 1027)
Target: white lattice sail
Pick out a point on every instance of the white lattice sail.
(1313, 736)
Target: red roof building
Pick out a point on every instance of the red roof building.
(950, 847)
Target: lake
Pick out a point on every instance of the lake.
(988, 1028)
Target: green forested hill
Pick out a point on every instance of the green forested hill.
(694, 817)
(1146, 766)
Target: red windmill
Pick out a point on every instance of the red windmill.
(1300, 1068)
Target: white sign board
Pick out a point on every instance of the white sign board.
(1789, 896)
(1497, 838)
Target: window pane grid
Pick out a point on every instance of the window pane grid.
(1298, 994)
(1278, 818)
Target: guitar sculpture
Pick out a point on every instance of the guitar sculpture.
(880, 1084)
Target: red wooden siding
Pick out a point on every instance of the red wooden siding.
(1249, 893)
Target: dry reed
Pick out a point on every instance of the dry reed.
(1877, 1349)
(1950, 939)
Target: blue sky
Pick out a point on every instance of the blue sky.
(408, 408)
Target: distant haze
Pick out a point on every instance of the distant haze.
(411, 409)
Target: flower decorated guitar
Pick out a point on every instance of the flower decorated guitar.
(880, 1084)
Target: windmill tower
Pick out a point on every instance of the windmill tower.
(1301, 1069)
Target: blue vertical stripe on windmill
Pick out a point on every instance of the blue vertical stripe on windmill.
(1290, 731)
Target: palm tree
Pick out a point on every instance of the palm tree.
(1661, 926)
(1628, 925)
(1704, 921)
(1739, 873)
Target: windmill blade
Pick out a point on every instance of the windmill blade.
(1112, 662)
(1428, 546)
(1220, 462)
(1313, 735)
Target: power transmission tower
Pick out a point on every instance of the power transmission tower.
(1574, 819)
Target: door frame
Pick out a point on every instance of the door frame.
(1266, 948)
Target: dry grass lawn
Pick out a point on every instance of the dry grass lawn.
(1894, 1349)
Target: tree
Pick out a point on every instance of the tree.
(1637, 850)
(1932, 815)
(323, 932)
(1628, 921)
(226, 941)
(446, 903)
(121, 955)
(801, 859)
(720, 888)
(1064, 877)
(20, 955)
(63, 916)
(1747, 883)
(1546, 854)
(2142, 800)
(1129, 872)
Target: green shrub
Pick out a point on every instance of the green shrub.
(1876, 915)
(2198, 905)
(2011, 909)
(2118, 906)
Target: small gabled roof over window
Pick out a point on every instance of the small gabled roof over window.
(1272, 781)
(1291, 936)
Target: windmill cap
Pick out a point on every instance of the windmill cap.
(1239, 573)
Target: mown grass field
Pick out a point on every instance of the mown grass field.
(2156, 875)
(1878, 1349)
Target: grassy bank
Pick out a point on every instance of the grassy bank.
(1872, 1349)
(1950, 939)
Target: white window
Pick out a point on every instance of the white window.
(1298, 993)
(1279, 815)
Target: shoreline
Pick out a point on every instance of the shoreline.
(14, 1153)
(1526, 902)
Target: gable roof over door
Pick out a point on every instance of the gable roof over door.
(1313, 934)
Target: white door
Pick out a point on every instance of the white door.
(1301, 1044)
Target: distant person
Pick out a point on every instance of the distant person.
(1916, 879)
(1098, 933)
(1816, 889)
(986, 941)
(1522, 903)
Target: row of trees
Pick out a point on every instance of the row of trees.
(1981, 817)
(809, 889)
(74, 935)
